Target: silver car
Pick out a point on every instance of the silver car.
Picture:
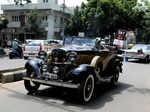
(139, 51)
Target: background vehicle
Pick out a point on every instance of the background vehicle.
(139, 51)
(78, 65)
(32, 47)
(16, 53)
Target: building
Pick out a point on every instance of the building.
(53, 19)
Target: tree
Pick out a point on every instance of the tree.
(104, 17)
(34, 23)
(20, 2)
(3, 23)
(143, 33)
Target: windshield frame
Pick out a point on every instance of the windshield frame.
(79, 41)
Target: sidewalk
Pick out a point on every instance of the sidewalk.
(11, 70)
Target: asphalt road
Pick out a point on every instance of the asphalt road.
(131, 95)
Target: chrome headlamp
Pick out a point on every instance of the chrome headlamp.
(55, 69)
(72, 56)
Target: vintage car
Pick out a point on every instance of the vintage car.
(78, 65)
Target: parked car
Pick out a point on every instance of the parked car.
(78, 65)
(139, 51)
(32, 47)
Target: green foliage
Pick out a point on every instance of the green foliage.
(104, 17)
(34, 23)
(3, 23)
(20, 2)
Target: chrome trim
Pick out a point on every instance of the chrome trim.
(53, 83)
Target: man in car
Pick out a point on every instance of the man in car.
(98, 44)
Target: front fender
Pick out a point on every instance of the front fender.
(33, 65)
(81, 72)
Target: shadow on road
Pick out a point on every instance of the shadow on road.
(50, 96)
(104, 93)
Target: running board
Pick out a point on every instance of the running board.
(53, 83)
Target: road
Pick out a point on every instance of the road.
(131, 95)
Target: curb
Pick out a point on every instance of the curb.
(11, 70)
(12, 76)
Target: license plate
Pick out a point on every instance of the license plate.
(52, 76)
(31, 54)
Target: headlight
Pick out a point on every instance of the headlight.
(72, 56)
(55, 69)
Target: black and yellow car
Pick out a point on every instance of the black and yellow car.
(80, 64)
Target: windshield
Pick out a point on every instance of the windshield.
(33, 43)
(137, 47)
(79, 41)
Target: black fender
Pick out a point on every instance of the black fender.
(34, 64)
(81, 72)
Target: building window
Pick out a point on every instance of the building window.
(61, 20)
(55, 19)
(45, 1)
(13, 18)
(44, 18)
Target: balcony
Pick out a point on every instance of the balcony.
(32, 6)
(14, 24)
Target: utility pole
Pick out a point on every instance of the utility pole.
(64, 5)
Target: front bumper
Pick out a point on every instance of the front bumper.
(140, 56)
(136, 56)
(53, 83)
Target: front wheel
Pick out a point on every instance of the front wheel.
(31, 86)
(147, 59)
(87, 89)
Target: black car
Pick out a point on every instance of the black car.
(79, 65)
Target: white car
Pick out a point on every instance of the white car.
(139, 51)
(32, 48)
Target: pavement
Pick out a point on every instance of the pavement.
(10, 70)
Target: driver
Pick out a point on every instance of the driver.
(98, 43)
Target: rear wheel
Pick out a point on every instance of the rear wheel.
(31, 86)
(87, 89)
(114, 79)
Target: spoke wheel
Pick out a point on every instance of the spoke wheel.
(87, 89)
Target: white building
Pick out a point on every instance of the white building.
(53, 16)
